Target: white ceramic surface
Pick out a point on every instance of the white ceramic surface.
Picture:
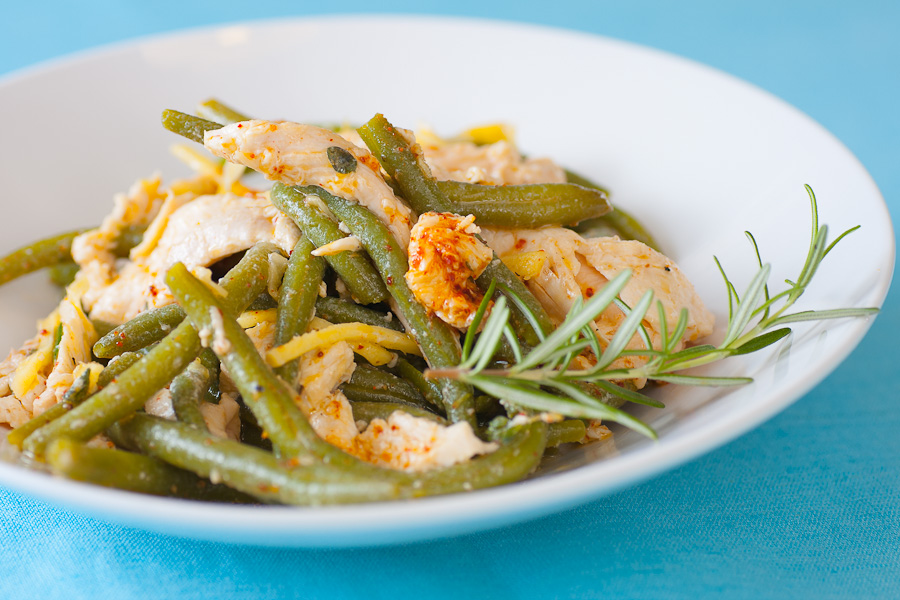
(699, 156)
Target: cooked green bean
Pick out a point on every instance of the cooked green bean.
(146, 328)
(429, 390)
(565, 432)
(271, 401)
(187, 389)
(297, 300)
(157, 368)
(209, 360)
(513, 288)
(368, 411)
(353, 268)
(248, 469)
(128, 238)
(522, 206)
(187, 125)
(44, 253)
(438, 341)
(373, 378)
(62, 274)
(118, 365)
(616, 221)
(336, 310)
(363, 393)
(133, 472)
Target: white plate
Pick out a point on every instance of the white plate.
(698, 155)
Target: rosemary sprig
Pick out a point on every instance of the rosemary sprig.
(542, 378)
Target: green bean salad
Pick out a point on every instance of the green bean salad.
(391, 315)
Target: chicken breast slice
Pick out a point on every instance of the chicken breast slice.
(445, 257)
(579, 268)
(499, 163)
(297, 154)
(197, 234)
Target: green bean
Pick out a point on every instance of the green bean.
(271, 401)
(616, 221)
(513, 288)
(408, 171)
(62, 274)
(146, 328)
(263, 302)
(368, 411)
(37, 255)
(153, 325)
(336, 310)
(187, 389)
(187, 125)
(76, 394)
(156, 369)
(128, 238)
(429, 390)
(362, 393)
(353, 268)
(297, 300)
(373, 378)
(565, 432)
(133, 472)
(216, 111)
(438, 341)
(250, 470)
(117, 365)
(210, 361)
(522, 206)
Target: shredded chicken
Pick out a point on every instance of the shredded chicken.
(445, 257)
(578, 268)
(298, 155)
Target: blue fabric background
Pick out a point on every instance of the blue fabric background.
(806, 506)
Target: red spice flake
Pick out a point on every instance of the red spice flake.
(44, 332)
(520, 244)
(153, 290)
(589, 292)
(390, 280)
(240, 125)
(320, 354)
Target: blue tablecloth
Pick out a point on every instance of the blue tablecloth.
(806, 506)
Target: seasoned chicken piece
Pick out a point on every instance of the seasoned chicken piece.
(414, 444)
(328, 411)
(78, 336)
(403, 442)
(492, 164)
(578, 267)
(298, 154)
(445, 257)
(197, 233)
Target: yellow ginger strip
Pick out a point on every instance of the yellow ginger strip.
(252, 318)
(201, 162)
(526, 265)
(488, 134)
(346, 332)
(375, 354)
(27, 372)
